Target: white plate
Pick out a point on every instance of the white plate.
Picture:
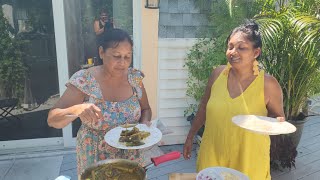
(112, 137)
(263, 124)
(220, 173)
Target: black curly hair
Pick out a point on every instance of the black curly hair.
(251, 29)
(113, 37)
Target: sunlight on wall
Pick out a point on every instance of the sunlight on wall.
(150, 20)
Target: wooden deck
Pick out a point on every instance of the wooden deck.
(307, 162)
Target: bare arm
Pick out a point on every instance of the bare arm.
(200, 117)
(96, 28)
(273, 97)
(145, 107)
(71, 103)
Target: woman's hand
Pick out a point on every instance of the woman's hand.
(89, 112)
(187, 148)
(281, 119)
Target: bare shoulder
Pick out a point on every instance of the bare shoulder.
(270, 81)
(271, 87)
(273, 96)
(96, 72)
(215, 73)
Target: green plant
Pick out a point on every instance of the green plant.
(12, 69)
(291, 48)
(291, 52)
(199, 62)
(282, 152)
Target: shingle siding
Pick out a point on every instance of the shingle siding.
(181, 19)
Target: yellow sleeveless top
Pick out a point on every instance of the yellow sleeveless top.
(227, 145)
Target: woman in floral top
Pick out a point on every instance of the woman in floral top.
(104, 97)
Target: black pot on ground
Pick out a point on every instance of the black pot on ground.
(283, 150)
(296, 136)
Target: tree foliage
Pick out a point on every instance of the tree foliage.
(12, 69)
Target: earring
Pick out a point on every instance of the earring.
(226, 71)
(255, 68)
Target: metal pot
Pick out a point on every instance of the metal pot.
(123, 168)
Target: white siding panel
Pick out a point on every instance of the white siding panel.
(172, 93)
(176, 64)
(171, 112)
(175, 121)
(172, 88)
(172, 84)
(172, 54)
(173, 103)
(176, 43)
(174, 74)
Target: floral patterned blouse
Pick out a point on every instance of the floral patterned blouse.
(91, 146)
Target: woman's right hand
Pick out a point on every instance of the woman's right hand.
(187, 148)
(89, 112)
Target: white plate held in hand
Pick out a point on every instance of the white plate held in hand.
(263, 124)
(112, 137)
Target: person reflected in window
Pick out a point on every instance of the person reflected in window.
(104, 97)
(100, 26)
(239, 88)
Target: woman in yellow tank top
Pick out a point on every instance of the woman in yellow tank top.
(238, 88)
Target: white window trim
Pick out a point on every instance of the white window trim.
(137, 38)
(62, 59)
(27, 143)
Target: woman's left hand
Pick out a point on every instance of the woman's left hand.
(146, 122)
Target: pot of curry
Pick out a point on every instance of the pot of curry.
(123, 169)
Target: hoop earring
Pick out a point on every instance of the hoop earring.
(255, 68)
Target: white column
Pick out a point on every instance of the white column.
(137, 28)
(62, 59)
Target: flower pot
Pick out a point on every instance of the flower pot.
(296, 136)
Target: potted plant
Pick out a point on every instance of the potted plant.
(291, 54)
(291, 46)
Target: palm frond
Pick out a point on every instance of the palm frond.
(304, 22)
(291, 48)
(271, 29)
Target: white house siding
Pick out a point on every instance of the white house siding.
(172, 87)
